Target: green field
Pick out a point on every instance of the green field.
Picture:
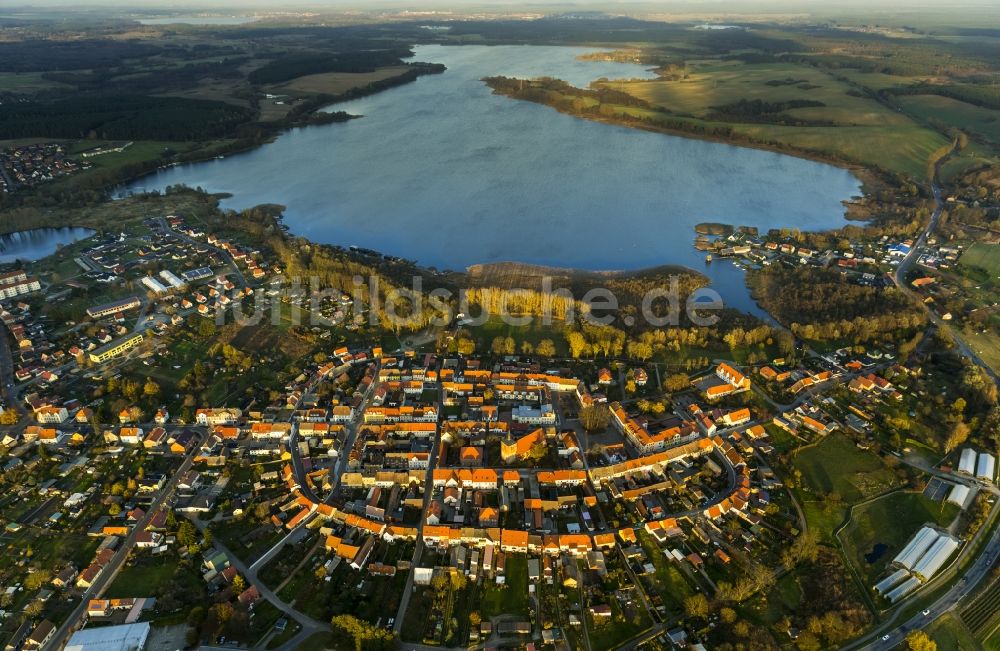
(868, 527)
(836, 468)
(859, 128)
(952, 112)
(149, 577)
(835, 464)
(27, 82)
(983, 256)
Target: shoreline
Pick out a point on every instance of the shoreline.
(865, 175)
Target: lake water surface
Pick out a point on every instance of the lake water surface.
(446, 173)
(38, 243)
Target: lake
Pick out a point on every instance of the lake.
(38, 243)
(444, 172)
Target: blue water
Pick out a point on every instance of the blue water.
(38, 243)
(444, 172)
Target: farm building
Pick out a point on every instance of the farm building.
(916, 548)
(936, 556)
(886, 584)
(959, 495)
(987, 467)
(967, 462)
(903, 589)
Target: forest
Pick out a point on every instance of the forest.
(820, 304)
(298, 65)
(122, 117)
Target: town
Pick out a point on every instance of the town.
(447, 499)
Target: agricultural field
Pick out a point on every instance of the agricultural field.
(982, 616)
(847, 126)
(335, 83)
(870, 545)
(972, 119)
(983, 256)
(951, 634)
(26, 82)
(711, 84)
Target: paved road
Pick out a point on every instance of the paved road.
(980, 568)
(878, 639)
(418, 550)
(107, 577)
(899, 278)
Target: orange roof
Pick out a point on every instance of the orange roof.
(514, 538)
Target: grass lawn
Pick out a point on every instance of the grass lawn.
(986, 345)
(610, 633)
(320, 642)
(415, 618)
(510, 598)
(906, 512)
(147, 577)
(835, 464)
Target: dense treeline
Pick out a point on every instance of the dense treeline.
(547, 88)
(298, 65)
(821, 304)
(122, 117)
(132, 80)
(758, 110)
(46, 55)
(982, 96)
(307, 111)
